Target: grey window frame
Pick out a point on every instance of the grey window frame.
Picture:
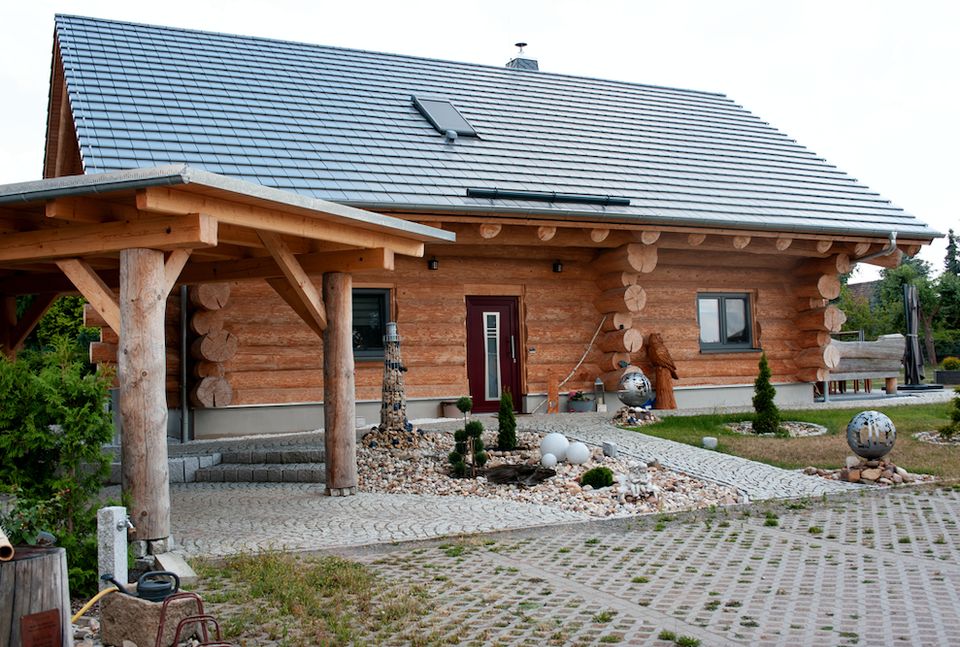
(384, 294)
(722, 297)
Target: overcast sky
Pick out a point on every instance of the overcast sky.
(871, 85)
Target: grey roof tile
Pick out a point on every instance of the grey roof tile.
(339, 124)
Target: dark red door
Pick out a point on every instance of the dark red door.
(493, 350)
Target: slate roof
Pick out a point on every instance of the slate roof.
(339, 124)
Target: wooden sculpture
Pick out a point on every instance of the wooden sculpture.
(660, 358)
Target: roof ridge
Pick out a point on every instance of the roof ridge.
(411, 57)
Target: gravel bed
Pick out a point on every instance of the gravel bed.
(794, 428)
(934, 438)
(425, 470)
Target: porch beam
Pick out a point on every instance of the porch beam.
(303, 291)
(94, 290)
(160, 199)
(339, 397)
(192, 230)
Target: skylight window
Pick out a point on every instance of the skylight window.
(444, 116)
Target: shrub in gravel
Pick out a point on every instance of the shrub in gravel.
(597, 478)
(767, 418)
(468, 453)
(953, 429)
(507, 424)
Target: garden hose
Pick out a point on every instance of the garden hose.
(92, 602)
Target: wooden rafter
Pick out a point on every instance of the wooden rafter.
(21, 328)
(193, 230)
(303, 296)
(158, 199)
(173, 266)
(93, 289)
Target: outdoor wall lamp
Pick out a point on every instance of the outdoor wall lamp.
(557, 267)
(433, 264)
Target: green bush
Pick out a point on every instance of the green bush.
(468, 453)
(767, 418)
(951, 430)
(951, 364)
(53, 425)
(507, 424)
(597, 478)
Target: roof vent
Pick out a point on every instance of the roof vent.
(445, 117)
(521, 61)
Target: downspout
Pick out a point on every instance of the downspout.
(886, 251)
(184, 406)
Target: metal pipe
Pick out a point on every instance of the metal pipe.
(184, 406)
(547, 196)
(886, 251)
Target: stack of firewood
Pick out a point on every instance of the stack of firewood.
(820, 283)
(622, 300)
(214, 346)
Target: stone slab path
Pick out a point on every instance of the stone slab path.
(872, 568)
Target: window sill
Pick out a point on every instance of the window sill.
(719, 351)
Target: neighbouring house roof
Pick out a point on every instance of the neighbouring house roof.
(341, 125)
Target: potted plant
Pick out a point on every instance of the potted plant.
(951, 371)
(578, 401)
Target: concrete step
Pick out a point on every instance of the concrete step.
(277, 455)
(262, 473)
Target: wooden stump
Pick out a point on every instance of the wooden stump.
(34, 582)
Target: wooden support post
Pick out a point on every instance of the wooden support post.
(143, 402)
(339, 400)
(891, 386)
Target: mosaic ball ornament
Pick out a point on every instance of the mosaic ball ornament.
(635, 389)
(871, 434)
(554, 443)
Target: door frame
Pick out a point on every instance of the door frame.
(520, 336)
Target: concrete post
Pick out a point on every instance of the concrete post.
(112, 543)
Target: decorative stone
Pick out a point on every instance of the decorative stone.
(852, 461)
(578, 453)
(871, 435)
(635, 389)
(610, 449)
(709, 442)
(548, 460)
(871, 474)
(555, 443)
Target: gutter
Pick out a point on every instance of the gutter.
(886, 251)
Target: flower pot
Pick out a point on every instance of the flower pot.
(580, 406)
(947, 377)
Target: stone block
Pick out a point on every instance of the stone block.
(206, 461)
(244, 474)
(139, 548)
(174, 563)
(274, 457)
(610, 449)
(175, 465)
(125, 617)
(112, 543)
(228, 473)
(258, 456)
(261, 475)
(158, 546)
(190, 466)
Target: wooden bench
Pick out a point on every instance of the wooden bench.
(867, 361)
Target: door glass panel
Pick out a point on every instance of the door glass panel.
(736, 311)
(491, 341)
(709, 320)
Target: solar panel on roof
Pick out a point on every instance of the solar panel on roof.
(444, 116)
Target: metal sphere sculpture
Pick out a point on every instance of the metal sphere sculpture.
(871, 434)
(635, 389)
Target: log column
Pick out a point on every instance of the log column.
(339, 395)
(143, 406)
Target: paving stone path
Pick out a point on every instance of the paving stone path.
(872, 568)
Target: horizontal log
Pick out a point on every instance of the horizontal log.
(827, 286)
(206, 321)
(211, 296)
(869, 365)
(813, 339)
(212, 392)
(614, 361)
(631, 298)
(616, 280)
(628, 340)
(218, 346)
(836, 264)
(886, 347)
(611, 379)
(634, 257)
(829, 318)
(812, 375)
(103, 353)
(826, 357)
(208, 369)
(618, 321)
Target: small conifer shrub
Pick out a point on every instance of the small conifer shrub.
(468, 453)
(597, 477)
(767, 418)
(507, 428)
(953, 429)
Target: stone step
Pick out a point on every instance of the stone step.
(278, 455)
(262, 473)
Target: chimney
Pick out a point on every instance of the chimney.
(521, 61)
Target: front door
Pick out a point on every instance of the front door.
(493, 350)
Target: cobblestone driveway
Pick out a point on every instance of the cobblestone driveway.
(877, 568)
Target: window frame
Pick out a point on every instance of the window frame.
(724, 346)
(374, 354)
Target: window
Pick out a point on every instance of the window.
(724, 321)
(371, 311)
(444, 116)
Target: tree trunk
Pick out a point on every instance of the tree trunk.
(35, 581)
(143, 402)
(339, 399)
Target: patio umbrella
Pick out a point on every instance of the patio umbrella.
(912, 361)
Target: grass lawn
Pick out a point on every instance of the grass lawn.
(827, 451)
